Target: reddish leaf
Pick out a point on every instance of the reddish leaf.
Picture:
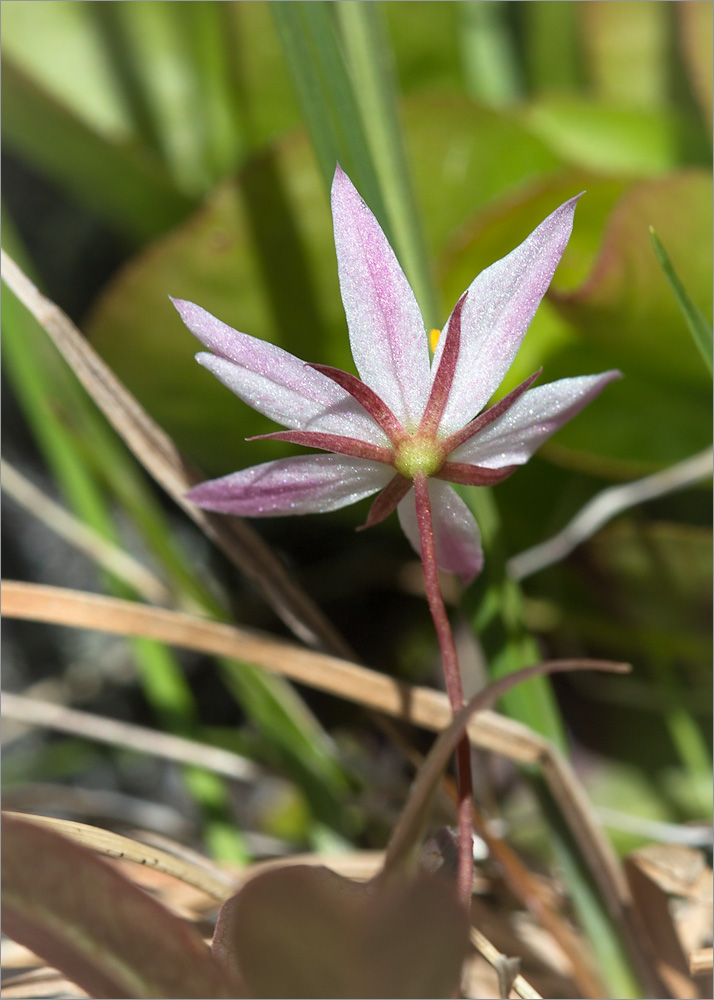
(103, 932)
(309, 933)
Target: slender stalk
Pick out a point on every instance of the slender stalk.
(453, 682)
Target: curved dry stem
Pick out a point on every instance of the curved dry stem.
(212, 881)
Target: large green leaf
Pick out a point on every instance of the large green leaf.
(622, 313)
(608, 138)
(463, 156)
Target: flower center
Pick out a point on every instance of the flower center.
(417, 455)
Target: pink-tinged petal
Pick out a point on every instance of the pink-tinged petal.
(308, 484)
(275, 382)
(499, 307)
(456, 534)
(387, 334)
(522, 429)
(335, 443)
(488, 416)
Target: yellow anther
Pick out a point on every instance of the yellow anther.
(434, 338)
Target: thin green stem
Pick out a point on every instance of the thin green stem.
(453, 682)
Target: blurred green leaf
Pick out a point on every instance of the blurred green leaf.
(57, 49)
(639, 424)
(425, 40)
(462, 157)
(610, 139)
(550, 50)
(625, 48)
(624, 307)
(171, 63)
(491, 69)
(124, 185)
(695, 38)
(661, 576)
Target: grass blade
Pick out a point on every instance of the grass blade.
(207, 877)
(699, 328)
(327, 100)
(373, 77)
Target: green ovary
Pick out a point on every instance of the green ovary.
(416, 456)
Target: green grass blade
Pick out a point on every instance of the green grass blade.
(699, 328)
(373, 76)
(206, 29)
(307, 34)
(300, 746)
(603, 936)
(120, 56)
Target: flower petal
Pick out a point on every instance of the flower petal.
(522, 429)
(456, 534)
(308, 484)
(387, 334)
(499, 307)
(275, 382)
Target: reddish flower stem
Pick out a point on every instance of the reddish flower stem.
(453, 683)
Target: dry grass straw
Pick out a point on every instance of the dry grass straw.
(127, 735)
(417, 705)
